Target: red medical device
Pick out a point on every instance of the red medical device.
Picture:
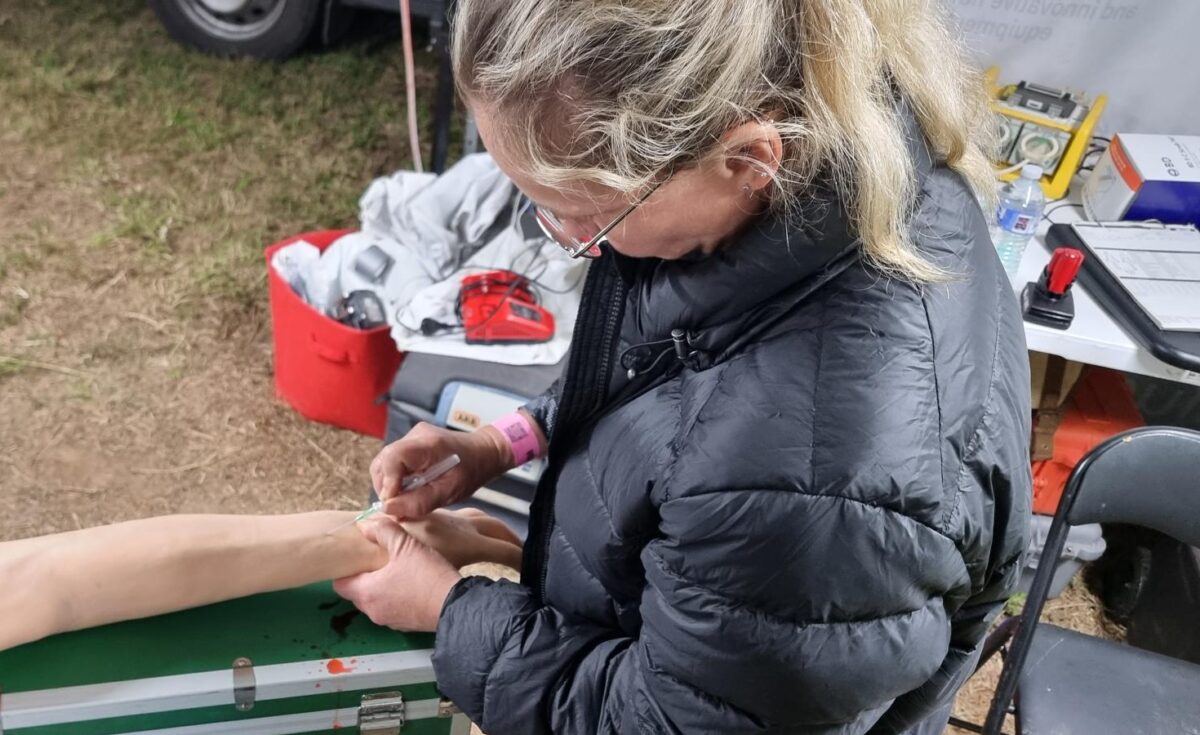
(1048, 300)
(500, 307)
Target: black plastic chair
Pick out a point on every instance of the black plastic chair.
(1067, 682)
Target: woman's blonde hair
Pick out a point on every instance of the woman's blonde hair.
(645, 86)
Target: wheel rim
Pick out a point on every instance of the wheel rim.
(233, 20)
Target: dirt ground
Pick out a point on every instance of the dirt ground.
(139, 183)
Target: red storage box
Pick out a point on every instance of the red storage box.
(1101, 405)
(327, 371)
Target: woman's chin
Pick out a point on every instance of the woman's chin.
(670, 251)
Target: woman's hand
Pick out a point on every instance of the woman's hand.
(409, 591)
(485, 455)
(468, 536)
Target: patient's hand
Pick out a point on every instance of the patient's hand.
(467, 536)
(408, 592)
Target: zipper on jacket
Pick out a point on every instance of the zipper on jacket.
(584, 392)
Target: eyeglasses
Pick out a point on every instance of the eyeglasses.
(554, 229)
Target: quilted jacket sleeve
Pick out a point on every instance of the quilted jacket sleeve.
(544, 408)
(764, 610)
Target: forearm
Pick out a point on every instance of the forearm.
(129, 570)
(543, 409)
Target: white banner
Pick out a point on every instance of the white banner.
(1144, 54)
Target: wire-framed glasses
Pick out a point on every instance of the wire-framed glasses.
(554, 229)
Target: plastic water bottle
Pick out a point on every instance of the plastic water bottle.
(1017, 217)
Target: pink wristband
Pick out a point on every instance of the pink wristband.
(520, 435)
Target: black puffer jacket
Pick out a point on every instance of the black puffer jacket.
(795, 517)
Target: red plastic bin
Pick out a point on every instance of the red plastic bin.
(1101, 405)
(327, 371)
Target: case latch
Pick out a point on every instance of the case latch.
(243, 684)
(381, 714)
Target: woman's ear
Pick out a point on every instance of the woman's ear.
(752, 153)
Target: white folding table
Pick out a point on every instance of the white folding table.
(1093, 337)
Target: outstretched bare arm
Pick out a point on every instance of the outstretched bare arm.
(134, 569)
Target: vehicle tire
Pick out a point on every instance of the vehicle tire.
(264, 29)
(1120, 576)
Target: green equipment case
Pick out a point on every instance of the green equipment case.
(298, 662)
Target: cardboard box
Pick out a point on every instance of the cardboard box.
(1038, 368)
(1143, 177)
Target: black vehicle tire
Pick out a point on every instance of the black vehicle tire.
(264, 29)
(1121, 574)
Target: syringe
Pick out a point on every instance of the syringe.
(412, 482)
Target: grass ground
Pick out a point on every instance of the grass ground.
(139, 182)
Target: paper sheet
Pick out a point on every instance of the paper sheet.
(1158, 265)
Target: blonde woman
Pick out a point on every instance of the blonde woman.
(788, 484)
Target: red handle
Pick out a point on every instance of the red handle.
(332, 354)
(1064, 266)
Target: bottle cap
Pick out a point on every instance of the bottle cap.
(1031, 171)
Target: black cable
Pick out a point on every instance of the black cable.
(560, 291)
(533, 248)
(1091, 152)
(430, 327)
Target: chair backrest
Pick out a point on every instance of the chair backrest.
(1147, 477)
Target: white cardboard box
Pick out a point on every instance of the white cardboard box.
(1144, 177)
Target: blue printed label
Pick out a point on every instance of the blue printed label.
(1016, 221)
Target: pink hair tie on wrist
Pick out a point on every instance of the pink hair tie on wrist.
(520, 435)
